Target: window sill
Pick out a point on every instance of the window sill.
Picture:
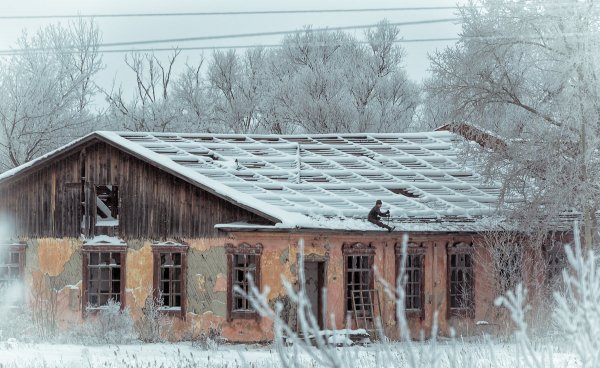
(414, 313)
(461, 313)
(244, 315)
(172, 312)
(92, 311)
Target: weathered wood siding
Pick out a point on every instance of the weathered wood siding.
(153, 204)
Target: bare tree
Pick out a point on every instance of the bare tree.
(151, 108)
(46, 89)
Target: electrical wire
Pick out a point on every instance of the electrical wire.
(276, 33)
(252, 12)
(267, 12)
(243, 35)
(192, 48)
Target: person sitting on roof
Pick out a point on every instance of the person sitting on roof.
(375, 216)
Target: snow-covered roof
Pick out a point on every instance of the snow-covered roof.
(326, 180)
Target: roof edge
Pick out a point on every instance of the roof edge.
(30, 165)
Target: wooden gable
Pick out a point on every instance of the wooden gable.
(50, 200)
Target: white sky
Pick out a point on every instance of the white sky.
(146, 28)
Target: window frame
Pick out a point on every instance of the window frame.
(413, 250)
(455, 249)
(163, 248)
(104, 248)
(353, 250)
(101, 227)
(243, 249)
(20, 249)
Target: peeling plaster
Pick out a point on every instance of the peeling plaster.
(53, 254)
(205, 266)
(139, 279)
(221, 283)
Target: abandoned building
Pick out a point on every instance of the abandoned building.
(186, 217)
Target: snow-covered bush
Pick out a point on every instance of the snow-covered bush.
(208, 339)
(577, 312)
(15, 323)
(43, 306)
(154, 325)
(107, 325)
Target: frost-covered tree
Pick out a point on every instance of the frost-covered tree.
(236, 89)
(46, 90)
(526, 71)
(315, 82)
(191, 92)
(331, 82)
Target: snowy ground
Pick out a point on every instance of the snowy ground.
(15, 354)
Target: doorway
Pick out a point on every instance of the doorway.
(314, 272)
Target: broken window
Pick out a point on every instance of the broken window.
(460, 280)
(243, 264)
(359, 277)
(414, 272)
(103, 275)
(170, 263)
(12, 264)
(107, 205)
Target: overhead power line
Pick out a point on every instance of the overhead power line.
(276, 33)
(256, 34)
(161, 49)
(253, 12)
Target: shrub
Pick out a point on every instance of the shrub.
(154, 325)
(106, 325)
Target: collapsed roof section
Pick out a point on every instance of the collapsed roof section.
(328, 180)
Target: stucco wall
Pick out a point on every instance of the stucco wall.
(56, 263)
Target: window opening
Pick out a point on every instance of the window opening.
(359, 279)
(104, 271)
(170, 264)
(107, 205)
(460, 277)
(243, 263)
(12, 263)
(414, 277)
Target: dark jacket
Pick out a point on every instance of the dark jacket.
(375, 214)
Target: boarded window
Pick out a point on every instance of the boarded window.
(358, 276)
(243, 264)
(170, 264)
(104, 275)
(12, 264)
(414, 272)
(460, 280)
(107, 205)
